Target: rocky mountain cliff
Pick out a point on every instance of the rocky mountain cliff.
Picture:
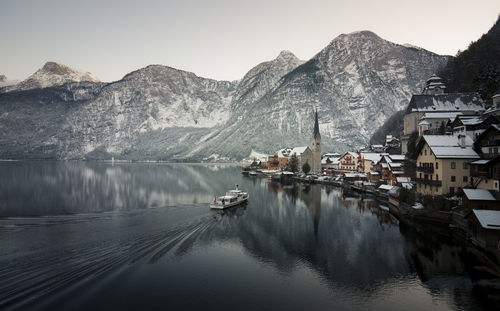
(158, 112)
(356, 83)
(53, 74)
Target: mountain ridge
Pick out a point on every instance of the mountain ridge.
(159, 112)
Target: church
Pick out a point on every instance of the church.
(310, 155)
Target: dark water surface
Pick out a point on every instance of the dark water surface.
(92, 236)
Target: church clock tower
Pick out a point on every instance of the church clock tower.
(316, 146)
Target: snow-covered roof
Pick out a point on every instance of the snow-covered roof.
(354, 175)
(423, 122)
(488, 219)
(480, 162)
(447, 146)
(455, 152)
(332, 160)
(374, 173)
(445, 102)
(371, 156)
(330, 155)
(377, 146)
(385, 187)
(446, 140)
(284, 153)
(403, 179)
(441, 115)
(384, 165)
(406, 185)
(478, 195)
(471, 121)
(397, 157)
(395, 164)
(298, 150)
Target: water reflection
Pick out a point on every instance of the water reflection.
(54, 188)
(317, 238)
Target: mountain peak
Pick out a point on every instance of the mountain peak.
(285, 54)
(53, 74)
(56, 68)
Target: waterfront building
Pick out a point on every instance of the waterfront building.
(367, 160)
(484, 228)
(434, 100)
(349, 162)
(443, 164)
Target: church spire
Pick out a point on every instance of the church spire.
(316, 134)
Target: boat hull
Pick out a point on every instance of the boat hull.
(228, 205)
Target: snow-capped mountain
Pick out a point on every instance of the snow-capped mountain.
(4, 81)
(158, 112)
(356, 83)
(263, 77)
(53, 74)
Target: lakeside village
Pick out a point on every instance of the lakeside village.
(445, 169)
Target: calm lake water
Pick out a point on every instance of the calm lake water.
(93, 236)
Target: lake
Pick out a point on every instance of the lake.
(128, 236)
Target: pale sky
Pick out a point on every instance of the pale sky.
(219, 39)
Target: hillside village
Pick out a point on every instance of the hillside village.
(444, 168)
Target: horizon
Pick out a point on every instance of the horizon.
(208, 42)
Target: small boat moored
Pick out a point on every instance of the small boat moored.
(232, 198)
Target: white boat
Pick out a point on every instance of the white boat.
(232, 198)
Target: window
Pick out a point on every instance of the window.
(465, 179)
(453, 178)
(452, 190)
(465, 165)
(437, 177)
(453, 165)
(437, 166)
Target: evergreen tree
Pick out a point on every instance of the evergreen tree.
(293, 164)
(306, 168)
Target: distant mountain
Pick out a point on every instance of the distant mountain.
(4, 81)
(356, 83)
(476, 69)
(53, 74)
(159, 112)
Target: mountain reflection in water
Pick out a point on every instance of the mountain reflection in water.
(91, 235)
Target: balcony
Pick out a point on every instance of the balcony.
(438, 183)
(425, 169)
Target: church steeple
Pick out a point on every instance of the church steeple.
(316, 134)
(316, 146)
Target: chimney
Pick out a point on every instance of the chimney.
(461, 140)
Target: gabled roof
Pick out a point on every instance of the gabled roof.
(448, 147)
(446, 140)
(488, 219)
(299, 150)
(353, 154)
(403, 179)
(371, 156)
(478, 195)
(441, 115)
(446, 102)
(492, 127)
(397, 157)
